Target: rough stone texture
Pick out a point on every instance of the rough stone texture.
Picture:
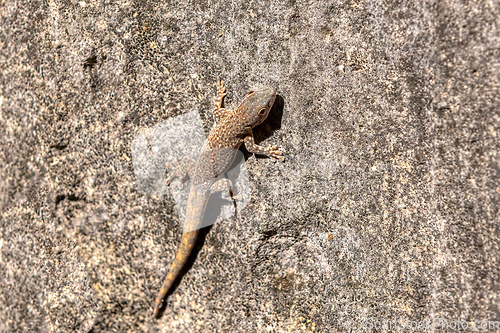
(385, 209)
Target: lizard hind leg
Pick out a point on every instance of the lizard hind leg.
(227, 189)
(183, 171)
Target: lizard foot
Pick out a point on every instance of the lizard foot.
(275, 154)
(181, 171)
(221, 89)
(221, 93)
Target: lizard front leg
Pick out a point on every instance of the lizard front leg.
(219, 110)
(271, 151)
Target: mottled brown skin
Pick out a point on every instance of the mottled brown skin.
(217, 155)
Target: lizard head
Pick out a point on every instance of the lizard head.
(256, 105)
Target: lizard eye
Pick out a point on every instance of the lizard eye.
(262, 112)
(251, 92)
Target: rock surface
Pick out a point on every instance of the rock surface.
(386, 207)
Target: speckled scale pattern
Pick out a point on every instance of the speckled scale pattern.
(217, 155)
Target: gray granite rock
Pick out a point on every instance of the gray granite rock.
(386, 207)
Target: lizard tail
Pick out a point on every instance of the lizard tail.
(185, 249)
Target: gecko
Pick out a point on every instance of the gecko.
(217, 154)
